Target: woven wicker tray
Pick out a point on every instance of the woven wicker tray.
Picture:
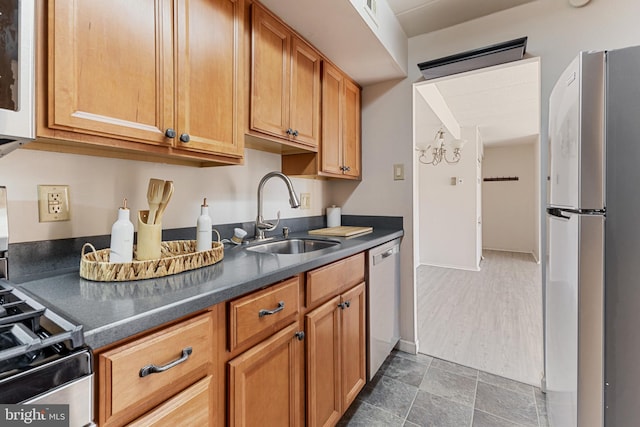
(176, 256)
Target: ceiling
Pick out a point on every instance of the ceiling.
(503, 104)
(502, 101)
(424, 16)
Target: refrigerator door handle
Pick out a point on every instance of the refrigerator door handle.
(557, 213)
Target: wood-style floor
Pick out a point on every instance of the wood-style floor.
(489, 320)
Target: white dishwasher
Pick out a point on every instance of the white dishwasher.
(383, 303)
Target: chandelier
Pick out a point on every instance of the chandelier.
(439, 152)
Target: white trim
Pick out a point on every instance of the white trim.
(408, 346)
(457, 267)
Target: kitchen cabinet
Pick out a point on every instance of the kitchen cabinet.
(265, 357)
(262, 313)
(339, 154)
(153, 374)
(336, 356)
(285, 83)
(192, 407)
(146, 78)
(266, 381)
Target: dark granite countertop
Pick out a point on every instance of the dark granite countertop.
(113, 311)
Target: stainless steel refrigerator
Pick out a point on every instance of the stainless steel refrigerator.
(592, 289)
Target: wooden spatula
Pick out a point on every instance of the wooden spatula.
(154, 197)
(166, 196)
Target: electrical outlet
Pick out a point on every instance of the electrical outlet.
(53, 203)
(305, 200)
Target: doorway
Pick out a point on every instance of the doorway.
(478, 285)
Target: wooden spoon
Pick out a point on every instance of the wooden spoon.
(166, 196)
(154, 197)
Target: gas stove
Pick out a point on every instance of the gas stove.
(43, 357)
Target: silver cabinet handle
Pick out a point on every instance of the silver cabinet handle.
(387, 253)
(153, 369)
(265, 312)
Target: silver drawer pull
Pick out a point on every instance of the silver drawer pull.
(264, 312)
(153, 369)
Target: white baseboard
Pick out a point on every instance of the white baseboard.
(408, 346)
(457, 267)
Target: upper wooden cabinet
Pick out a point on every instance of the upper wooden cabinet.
(154, 77)
(340, 148)
(285, 83)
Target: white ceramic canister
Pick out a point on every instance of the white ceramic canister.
(334, 215)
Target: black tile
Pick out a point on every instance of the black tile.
(418, 358)
(454, 368)
(482, 419)
(452, 386)
(389, 394)
(512, 385)
(361, 413)
(430, 410)
(404, 370)
(515, 407)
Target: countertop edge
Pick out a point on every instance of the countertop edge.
(126, 327)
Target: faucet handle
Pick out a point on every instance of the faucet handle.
(267, 226)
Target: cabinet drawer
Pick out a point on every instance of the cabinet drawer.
(327, 281)
(192, 407)
(126, 391)
(262, 312)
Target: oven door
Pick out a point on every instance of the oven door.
(17, 83)
(77, 394)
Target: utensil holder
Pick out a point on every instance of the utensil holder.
(149, 238)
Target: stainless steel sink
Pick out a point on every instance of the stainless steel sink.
(292, 246)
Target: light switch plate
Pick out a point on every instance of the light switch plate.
(398, 172)
(53, 203)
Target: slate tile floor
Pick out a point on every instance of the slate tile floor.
(419, 390)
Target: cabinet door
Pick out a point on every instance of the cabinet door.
(331, 147)
(305, 93)
(192, 407)
(124, 392)
(265, 382)
(323, 365)
(208, 60)
(270, 68)
(351, 130)
(353, 340)
(111, 68)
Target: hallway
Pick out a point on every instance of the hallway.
(490, 320)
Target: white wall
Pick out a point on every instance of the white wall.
(387, 28)
(556, 33)
(448, 213)
(509, 215)
(98, 185)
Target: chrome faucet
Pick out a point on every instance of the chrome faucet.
(262, 226)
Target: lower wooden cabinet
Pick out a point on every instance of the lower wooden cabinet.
(151, 374)
(192, 407)
(266, 382)
(336, 356)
